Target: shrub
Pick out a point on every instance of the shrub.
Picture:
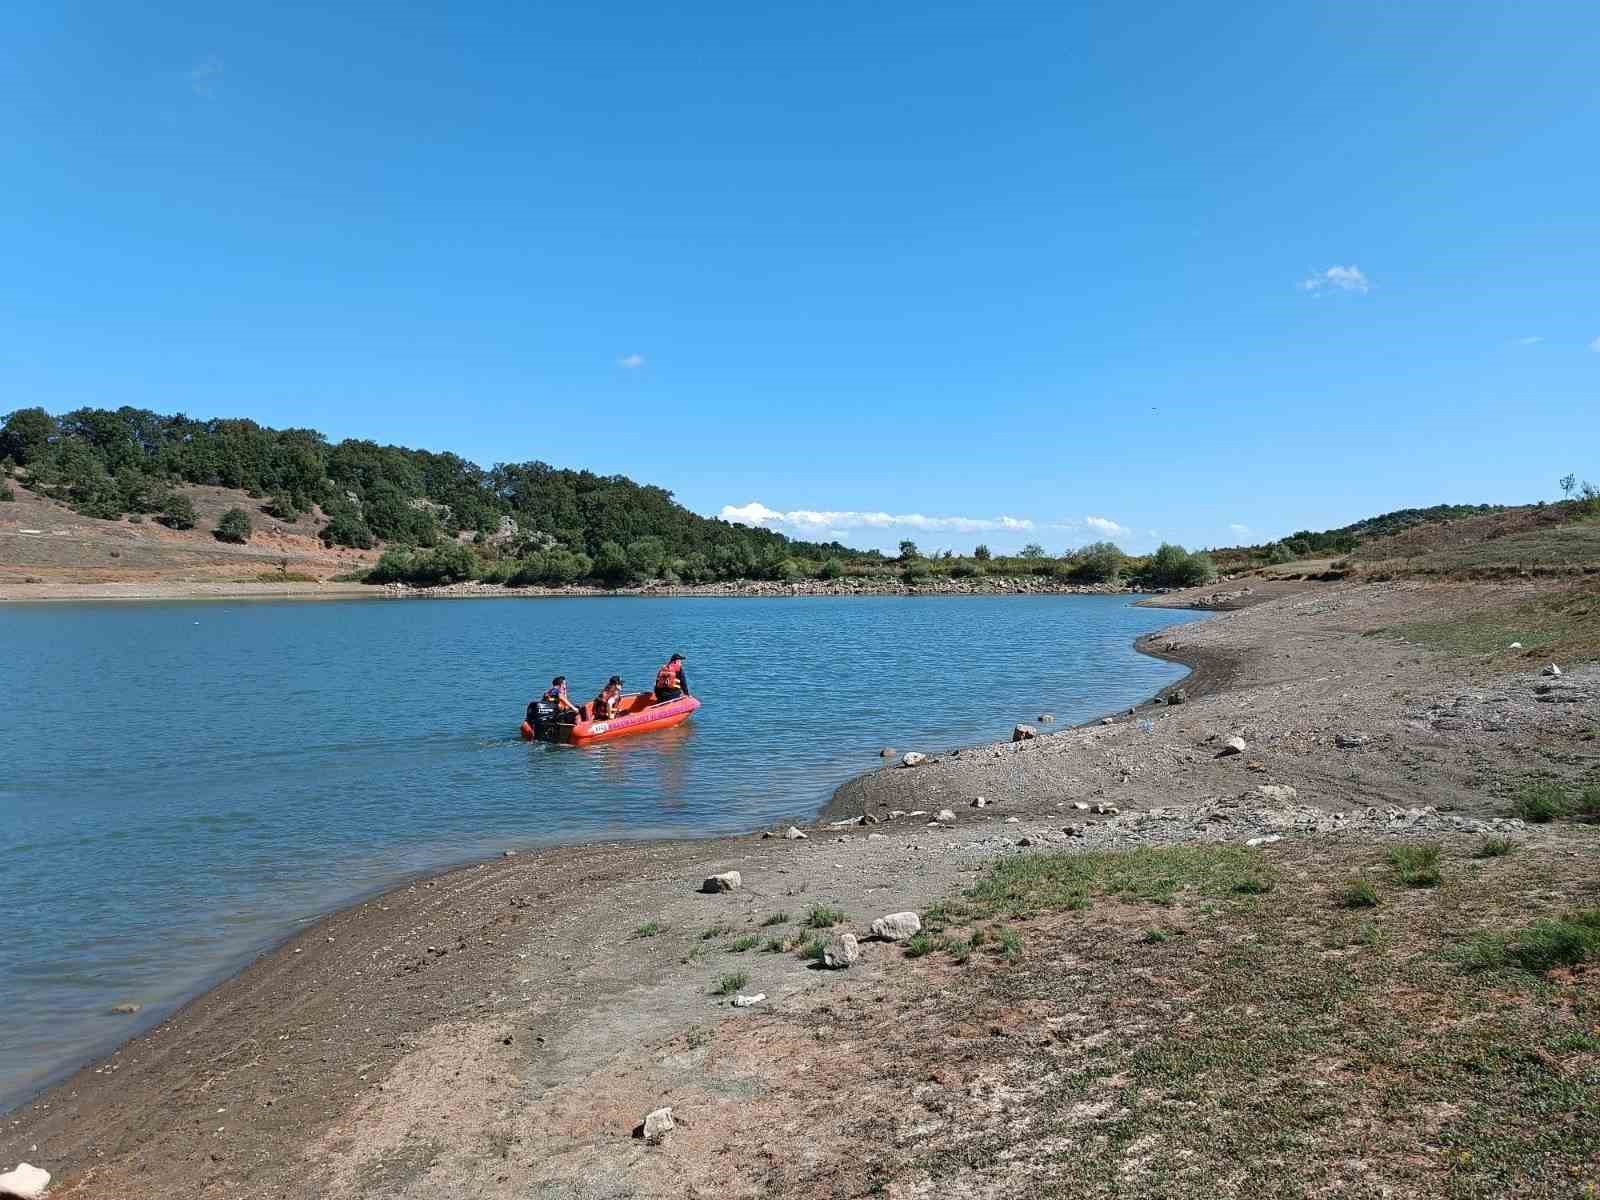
(831, 569)
(1588, 805)
(1173, 566)
(648, 930)
(731, 983)
(980, 552)
(450, 562)
(346, 528)
(1278, 554)
(1495, 847)
(550, 568)
(1358, 893)
(777, 918)
(916, 572)
(788, 571)
(1541, 801)
(283, 508)
(6, 493)
(1254, 885)
(966, 570)
(1098, 562)
(234, 527)
(177, 512)
(1416, 866)
(747, 942)
(823, 916)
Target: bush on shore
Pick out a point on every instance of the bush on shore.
(450, 562)
(1173, 566)
(1098, 562)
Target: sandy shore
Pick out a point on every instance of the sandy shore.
(501, 1029)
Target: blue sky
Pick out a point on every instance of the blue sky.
(1021, 272)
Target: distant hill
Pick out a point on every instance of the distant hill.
(568, 524)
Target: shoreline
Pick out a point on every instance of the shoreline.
(311, 924)
(413, 1017)
(156, 591)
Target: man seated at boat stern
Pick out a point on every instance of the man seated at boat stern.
(671, 682)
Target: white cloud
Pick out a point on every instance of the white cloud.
(813, 521)
(1339, 279)
(1105, 525)
(1239, 529)
(631, 362)
(1595, 345)
(1529, 341)
(203, 76)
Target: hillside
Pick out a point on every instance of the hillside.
(117, 466)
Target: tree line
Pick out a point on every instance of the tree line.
(567, 524)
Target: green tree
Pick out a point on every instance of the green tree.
(611, 565)
(234, 527)
(909, 551)
(1032, 550)
(27, 435)
(1098, 562)
(1173, 566)
(177, 512)
(1567, 482)
(981, 552)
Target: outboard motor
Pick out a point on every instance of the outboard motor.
(541, 715)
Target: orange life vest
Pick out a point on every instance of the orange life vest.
(667, 677)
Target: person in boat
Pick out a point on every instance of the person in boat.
(610, 697)
(671, 682)
(566, 710)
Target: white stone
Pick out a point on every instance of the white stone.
(657, 1125)
(1514, 646)
(980, 802)
(945, 815)
(749, 1001)
(1552, 670)
(1023, 733)
(1080, 805)
(877, 837)
(896, 927)
(1234, 745)
(1013, 820)
(1046, 718)
(1280, 792)
(794, 835)
(25, 1181)
(841, 951)
(1106, 810)
(1267, 840)
(728, 881)
(913, 759)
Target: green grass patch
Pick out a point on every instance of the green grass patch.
(823, 916)
(731, 983)
(1009, 943)
(918, 945)
(1416, 866)
(721, 929)
(1154, 937)
(1254, 884)
(1567, 621)
(648, 930)
(740, 944)
(777, 918)
(1540, 801)
(1359, 893)
(1025, 886)
(1495, 847)
(1567, 941)
(775, 945)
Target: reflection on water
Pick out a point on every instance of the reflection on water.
(198, 778)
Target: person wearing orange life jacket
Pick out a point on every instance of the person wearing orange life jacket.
(605, 704)
(671, 682)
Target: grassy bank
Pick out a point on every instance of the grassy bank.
(1297, 1021)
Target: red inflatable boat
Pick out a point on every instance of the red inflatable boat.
(636, 713)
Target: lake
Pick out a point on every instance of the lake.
(184, 784)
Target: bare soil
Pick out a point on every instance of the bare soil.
(502, 1030)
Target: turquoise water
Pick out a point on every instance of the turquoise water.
(186, 783)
